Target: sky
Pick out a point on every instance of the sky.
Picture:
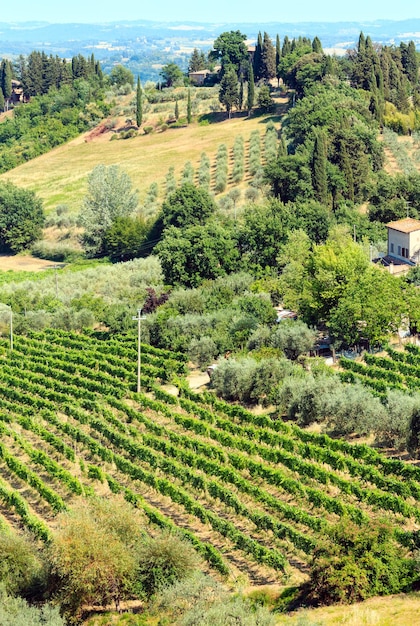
(215, 11)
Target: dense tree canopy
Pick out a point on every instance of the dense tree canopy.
(186, 206)
(21, 218)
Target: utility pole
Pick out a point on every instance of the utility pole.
(138, 319)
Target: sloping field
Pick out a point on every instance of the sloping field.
(59, 177)
(253, 494)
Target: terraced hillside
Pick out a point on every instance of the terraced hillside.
(252, 493)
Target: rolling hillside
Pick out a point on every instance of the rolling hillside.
(59, 177)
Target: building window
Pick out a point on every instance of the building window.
(399, 250)
(392, 247)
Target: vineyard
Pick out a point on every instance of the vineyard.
(252, 493)
(399, 370)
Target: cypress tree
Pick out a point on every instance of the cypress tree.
(189, 107)
(176, 112)
(229, 93)
(241, 94)
(1, 101)
(268, 59)
(139, 103)
(278, 57)
(287, 47)
(316, 45)
(251, 90)
(6, 78)
(319, 168)
(258, 58)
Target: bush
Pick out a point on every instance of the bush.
(21, 566)
(148, 129)
(17, 612)
(164, 560)
(352, 563)
(229, 612)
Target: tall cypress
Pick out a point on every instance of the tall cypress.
(251, 90)
(189, 116)
(258, 58)
(139, 103)
(278, 57)
(268, 59)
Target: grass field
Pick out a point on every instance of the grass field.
(59, 177)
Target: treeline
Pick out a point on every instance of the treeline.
(62, 99)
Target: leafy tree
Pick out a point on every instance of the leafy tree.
(186, 206)
(354, 562)
(139, 103)
(228, 93)
(125, 238)
(21, 218)
(229, 50)
(120, 76)
(171, 74)
(316, 45)
(290, 178)
(329, 270)
(6, 78)
(109, 197)
(195, 253)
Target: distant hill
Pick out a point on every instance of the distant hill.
(141, 44)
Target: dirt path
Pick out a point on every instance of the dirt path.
(27, 263)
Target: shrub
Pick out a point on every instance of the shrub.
(17, 612)
(352, 563)
(164, 560)
(21, 566)
(147, 130)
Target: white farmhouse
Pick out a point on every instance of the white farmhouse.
(404, 241)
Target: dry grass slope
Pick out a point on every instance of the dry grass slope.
(59, 177)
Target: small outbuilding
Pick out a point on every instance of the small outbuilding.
(404, 241)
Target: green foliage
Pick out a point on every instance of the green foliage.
(293, 338)
(192, 254)
(265, 101)
(172, 74)
(21, 565)
(120, 76)
(21, 218)
(125, 238)
(109, 197)
(353, 563)
(229, 90)
(187, 206)
(164, 560)
(17, 612)
(93, 553)
(230, 51)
